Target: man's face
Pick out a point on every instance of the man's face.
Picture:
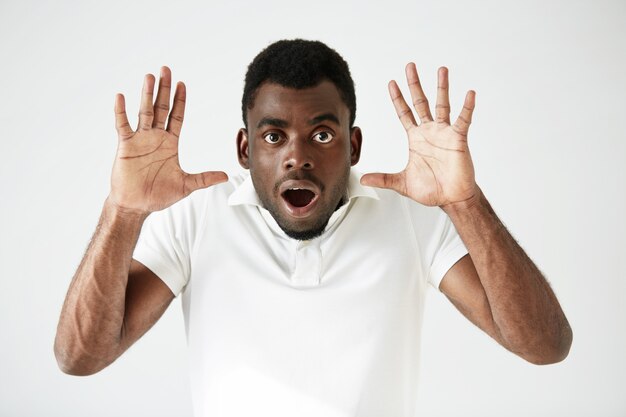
(299, 148)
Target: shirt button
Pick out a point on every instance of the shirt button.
(308, 264)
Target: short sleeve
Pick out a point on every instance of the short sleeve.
(166, 242)
(440, 244)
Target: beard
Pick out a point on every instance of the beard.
(318, 225)
(308, 234)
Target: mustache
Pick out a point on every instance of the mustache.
(299, 176)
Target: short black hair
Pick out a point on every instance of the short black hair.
(298, 63)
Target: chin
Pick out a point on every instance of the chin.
(301, 229)
(304, 229)
(304, 234)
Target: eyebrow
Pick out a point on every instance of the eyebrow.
(271, 121)
(323, 117)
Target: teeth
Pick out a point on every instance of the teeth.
(299, 189)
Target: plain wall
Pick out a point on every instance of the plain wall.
(548, 142)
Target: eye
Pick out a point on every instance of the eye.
(323, 137)
(271, 137)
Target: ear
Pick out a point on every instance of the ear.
(242, 148)
(355, 145)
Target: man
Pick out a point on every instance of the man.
(302, 286)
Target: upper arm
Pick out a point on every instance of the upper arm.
(462, 286)
(147, 298)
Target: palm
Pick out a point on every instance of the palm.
(440, 169)
(147, 175)
(148, 167)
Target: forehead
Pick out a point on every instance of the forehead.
(292, 105)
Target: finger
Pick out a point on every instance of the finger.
(146, 112)
(403, 111)
(462, 123)
(175, 121)
(390, 181)
(206, 179)
(121, 119)
(162, 103)
(420, 102)
(442, 108)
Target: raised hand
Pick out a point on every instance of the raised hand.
(440, 170)
(146, 174)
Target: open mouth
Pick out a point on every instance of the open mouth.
(299, 197)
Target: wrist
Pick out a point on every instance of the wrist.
(118, 212)
(465, 206)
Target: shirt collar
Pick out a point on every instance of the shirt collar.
(245, 194)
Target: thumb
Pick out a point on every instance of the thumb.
(205, 179)
(380, 180)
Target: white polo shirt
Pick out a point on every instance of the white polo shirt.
(328, 327)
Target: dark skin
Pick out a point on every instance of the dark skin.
(299, 139)
(496, 286)
(113, 299)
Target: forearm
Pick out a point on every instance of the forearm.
(525, 310)
(90, 327)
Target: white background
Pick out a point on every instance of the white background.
(548, 142)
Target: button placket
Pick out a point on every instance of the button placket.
(308, 264)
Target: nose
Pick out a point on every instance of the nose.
(298, 155)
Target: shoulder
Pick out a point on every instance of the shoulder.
(215, 193)
(222, 190)
(389, 200)
(426, 221)
(194, 206)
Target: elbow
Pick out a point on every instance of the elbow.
(70, 368)
(75, 363)
(552, 352)
(74, 369)
(546, 358)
